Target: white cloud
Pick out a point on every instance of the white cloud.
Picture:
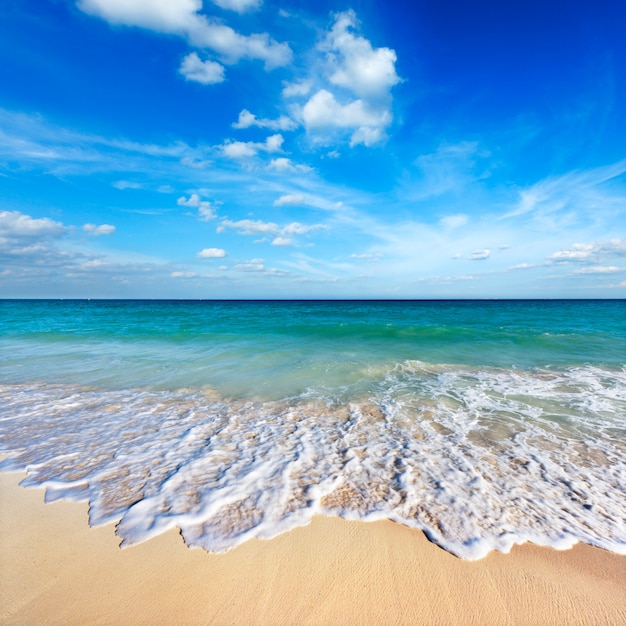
(195, 164)
(368, 72)
(182, 17)
(98, 231)
(247, 149)
(18, 226)
(33, 143)
(454, 221)
(282, 241)
(354, 79)
(324, 112)
(578, 252)
(240, 6)
(255, 265)
(301, 88)
(522, 266)
(247, 119)
(249, 227)
(598, 269)
(205, 210)
(125, 184)
(296, 228)
(205, 72)
(367, 136)
(183, 274)
(289, 199)
(479, 255)
(212, 253)
(450, 169)
(240, 149)
(283, 164)
(590, 252)
(273, 143)
(282, 234)
(376, 256)
(579, 193)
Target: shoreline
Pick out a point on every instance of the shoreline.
(56, 569)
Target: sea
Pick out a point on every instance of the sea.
(484, 424)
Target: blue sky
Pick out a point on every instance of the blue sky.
(262, 149)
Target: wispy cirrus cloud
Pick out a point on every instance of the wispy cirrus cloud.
(93, 230)
(583, 194)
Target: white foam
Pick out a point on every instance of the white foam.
(480, 459)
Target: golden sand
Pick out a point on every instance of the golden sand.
(57, 570)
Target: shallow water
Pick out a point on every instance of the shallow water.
(484, 424)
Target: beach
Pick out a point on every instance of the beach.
(58, 570)
(313, 462)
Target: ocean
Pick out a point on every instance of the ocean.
(484, 424)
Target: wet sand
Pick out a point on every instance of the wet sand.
(56, 570)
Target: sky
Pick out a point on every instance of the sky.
(328, 149)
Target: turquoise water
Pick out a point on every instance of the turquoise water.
(484, 423)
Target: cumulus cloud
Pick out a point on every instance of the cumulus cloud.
(183, 18)
(212, 253)
(205, 210)
(205, 72)
(247, 119)
(590, 252)
(289, 199)
(578, 252)
(19, 226)
(282, 235)
(354, 99)
(282, 241)
(283, 164)
(240, 6)
(97, 231)
(324, 113)
(354, 64)
(479, 255)
(301, 88)
(247, 149)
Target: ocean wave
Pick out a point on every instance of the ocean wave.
(478, 458)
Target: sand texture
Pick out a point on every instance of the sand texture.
(57, 570)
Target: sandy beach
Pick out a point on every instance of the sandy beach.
(57, 570)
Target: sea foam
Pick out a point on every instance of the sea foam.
(478, 458)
